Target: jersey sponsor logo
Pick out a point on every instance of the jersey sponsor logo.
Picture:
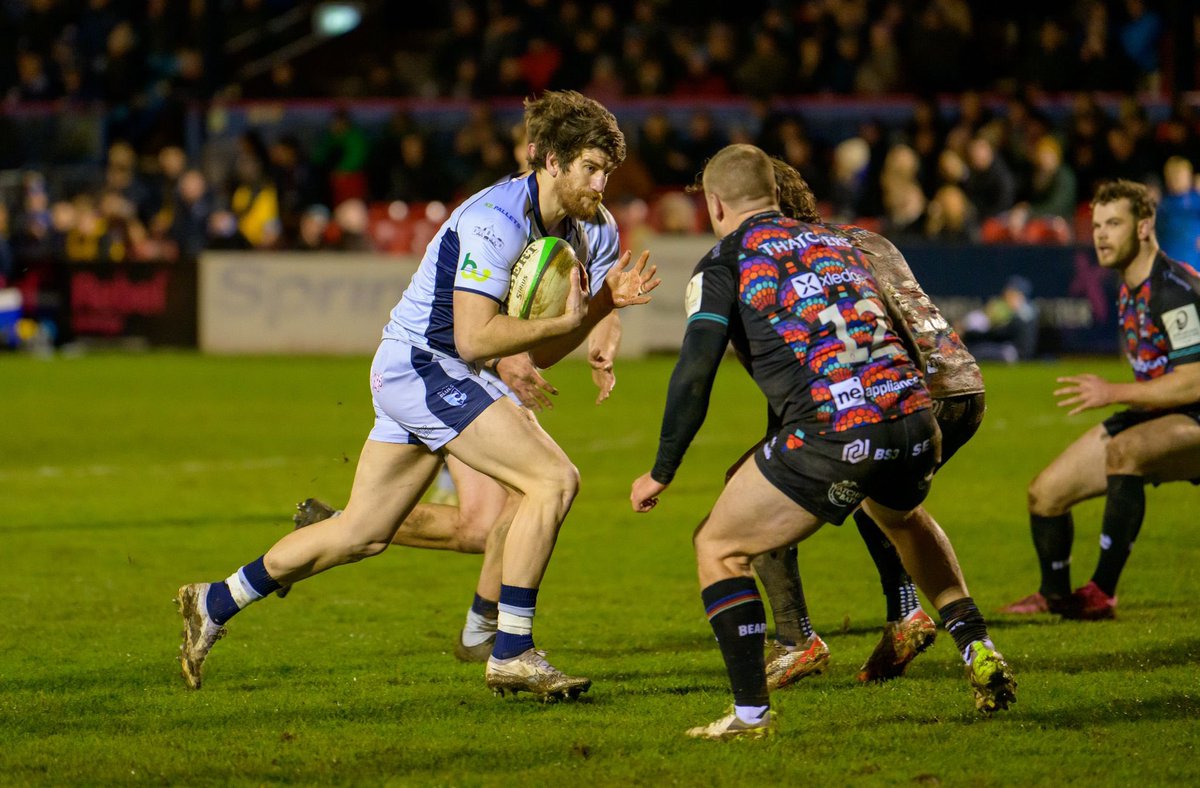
(1183, 326)
(803, 241)
(503, 213)
(452, 396)
(882, 455)
(809, 285)
(470, 270)
(694, 294)
(751, 629)
(890, 387)
(488, 234)
(847, 394)
(856, 451)
(845, 493)
(376, 381)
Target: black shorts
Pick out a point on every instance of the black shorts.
(830, 475)
(1119, 422)
(959, 419)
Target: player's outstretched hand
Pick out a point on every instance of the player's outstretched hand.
(645, 492)
(602, 374)
(630, 286)
(1084, 392)
(519, 374)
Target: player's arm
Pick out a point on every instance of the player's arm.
(691, 383)
(1179, 387)
(481, 332)
(487, 250)
(603, 343)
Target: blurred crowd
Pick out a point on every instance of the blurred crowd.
(991, 164)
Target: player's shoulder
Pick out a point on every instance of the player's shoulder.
(867, 240)
(502, 207)
(1173, 281)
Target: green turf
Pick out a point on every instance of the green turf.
(123, 476)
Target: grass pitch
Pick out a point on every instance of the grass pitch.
(122, 477)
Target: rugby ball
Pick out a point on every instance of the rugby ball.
(540, 280)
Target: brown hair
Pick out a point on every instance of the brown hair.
(795, 197)
(1138, 195)
(565, 123)
(740, 173)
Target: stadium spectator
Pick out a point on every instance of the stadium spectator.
(950, 216)
(350, 222)
(313, 224)
(342, 153)
(7, 261)
(1179, 212)
(1051, 188)
(990, 184)
(660, 149)
(851, 163)
(190, 215)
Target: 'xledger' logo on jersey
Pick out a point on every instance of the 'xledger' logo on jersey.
(809, 285)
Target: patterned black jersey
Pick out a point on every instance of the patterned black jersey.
(950, 369)
(1159, 319)
(805, 316)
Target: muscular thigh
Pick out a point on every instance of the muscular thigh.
(1075, 475)
(480, 497)
(388, 482)
(752, 517)
(1163, 450)
(508, 446)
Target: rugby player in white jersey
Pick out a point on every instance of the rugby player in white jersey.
(430, 397)
(479, 520)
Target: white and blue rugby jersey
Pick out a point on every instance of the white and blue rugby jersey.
(475, 250)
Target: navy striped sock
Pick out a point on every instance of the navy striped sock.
(515, 628)
(249, 584)
(484, 607)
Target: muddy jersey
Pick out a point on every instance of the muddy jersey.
(950, 369)
(475, 250)
(1160, 322)
(805, 316)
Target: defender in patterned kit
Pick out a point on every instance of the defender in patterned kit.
(956, 386)
(1156, 440)
(806, 317)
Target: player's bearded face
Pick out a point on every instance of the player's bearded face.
(1114, 232)
(581, 185)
